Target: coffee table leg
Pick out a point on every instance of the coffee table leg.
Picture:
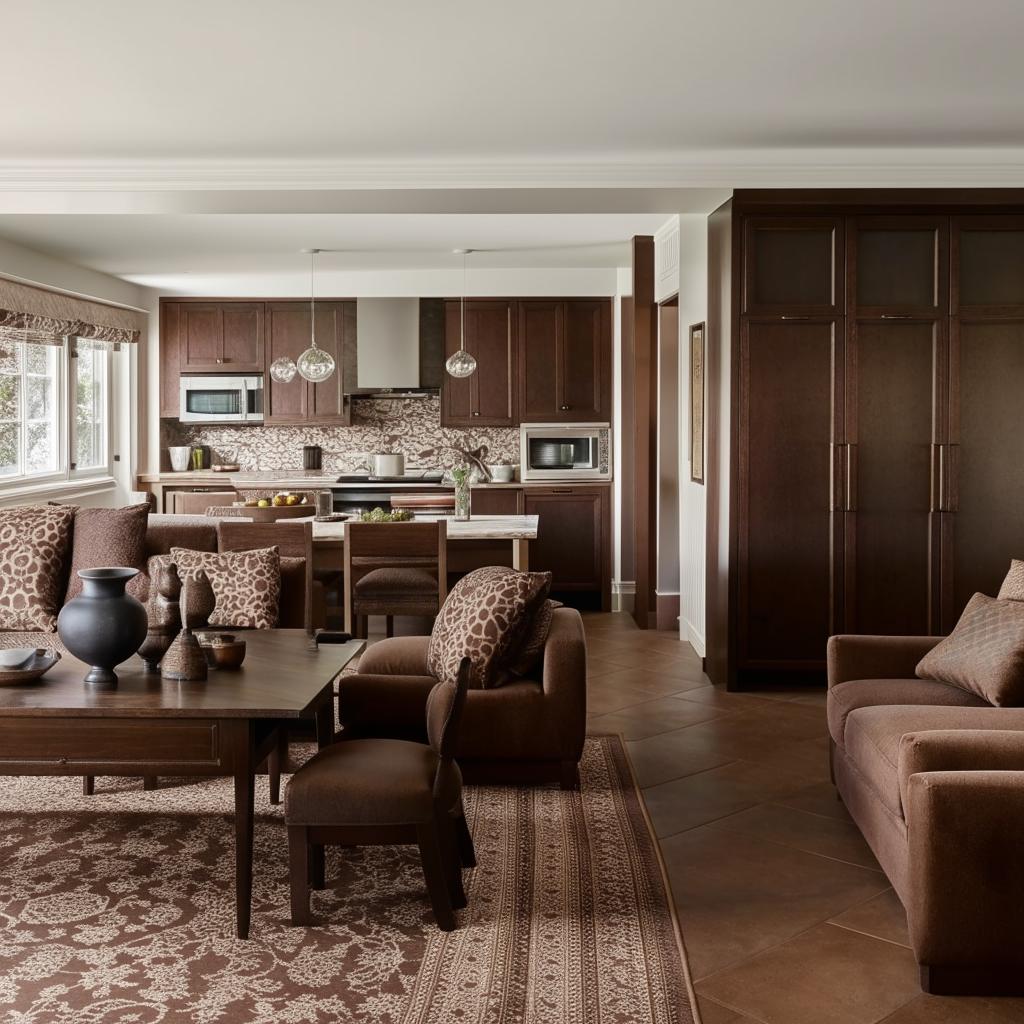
(245, 784)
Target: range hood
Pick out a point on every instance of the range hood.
(399, 350)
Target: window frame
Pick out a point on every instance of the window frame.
(25, 484)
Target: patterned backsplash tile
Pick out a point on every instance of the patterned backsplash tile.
(410, 426)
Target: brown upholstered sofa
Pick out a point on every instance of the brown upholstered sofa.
(529, 730)
(934, 778)
(198, 534)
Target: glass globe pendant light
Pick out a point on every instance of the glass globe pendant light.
(283, 369)
(314, 364)
(461, 363)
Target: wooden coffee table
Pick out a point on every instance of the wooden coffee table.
(149, 726)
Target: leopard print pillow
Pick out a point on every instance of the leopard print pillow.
(246, 584)
(34, 544)
(484, 618)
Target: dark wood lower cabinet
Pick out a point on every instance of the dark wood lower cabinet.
(573, 538)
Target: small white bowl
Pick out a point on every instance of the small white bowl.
(502, 474)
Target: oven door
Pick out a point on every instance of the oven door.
(221, 400)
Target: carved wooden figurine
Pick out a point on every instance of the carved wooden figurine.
(164, 616)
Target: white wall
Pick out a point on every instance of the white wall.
(693, 308)
(30, 267)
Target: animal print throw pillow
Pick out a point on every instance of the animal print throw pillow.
(246, 584)
(34, 544)
(485, 618)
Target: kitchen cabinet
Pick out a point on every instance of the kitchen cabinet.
(220, 337)
(489, 396)
(573, 537)
(497, 501)
(288, 335)
(565, 361)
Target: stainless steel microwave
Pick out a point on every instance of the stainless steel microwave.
(224, 398)
(565, 451)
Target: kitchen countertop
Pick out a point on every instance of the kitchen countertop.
(317, 479)
(477, 528)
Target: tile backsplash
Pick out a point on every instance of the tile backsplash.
(410, 426)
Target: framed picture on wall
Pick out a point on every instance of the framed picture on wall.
(697, 403)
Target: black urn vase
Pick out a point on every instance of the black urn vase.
(104, 625)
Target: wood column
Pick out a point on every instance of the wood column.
(645, 434)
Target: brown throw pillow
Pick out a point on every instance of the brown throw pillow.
(246, 584)
(484, 618)
(528, 655)
(108, 537)
(34, 545)
(1013, 586)
(984, 654)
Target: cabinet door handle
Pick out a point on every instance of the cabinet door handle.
(564, 408)
(897, 316)
(851, 478)
(942, 478)
(477, 413)
(561, 490)
(220, 360)
(787, 317)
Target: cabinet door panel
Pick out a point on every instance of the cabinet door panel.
(987, 370)
(570, 535)
(892, 380)
(793, 265)
(488, 396)
(335, 327)
(586, 362)
(242, 346)
(201, 332)
(287, 335)
(497, 501)
(988, 265)
(899, 265)
(170, 368)
(786, 525)
(541, 330)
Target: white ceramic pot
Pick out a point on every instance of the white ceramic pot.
(502, 474)
(180, 457)
(387, 464)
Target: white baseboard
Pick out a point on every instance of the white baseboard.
(696, 638)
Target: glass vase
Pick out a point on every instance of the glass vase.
(463, 498)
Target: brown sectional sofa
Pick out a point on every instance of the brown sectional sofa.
(528, 730)
(199, 534)
(934, 778)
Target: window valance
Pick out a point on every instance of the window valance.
(43, 317)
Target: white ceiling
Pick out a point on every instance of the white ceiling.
(453, 80)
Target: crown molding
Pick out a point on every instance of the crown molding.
(782, 168)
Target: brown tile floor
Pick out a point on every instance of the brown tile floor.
(786, 915)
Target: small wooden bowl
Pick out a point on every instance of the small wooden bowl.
(225, 655)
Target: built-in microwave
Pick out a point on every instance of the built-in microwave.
(565, 451)
(224, 398)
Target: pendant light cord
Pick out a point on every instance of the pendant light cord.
(312, 316)
(462, 339)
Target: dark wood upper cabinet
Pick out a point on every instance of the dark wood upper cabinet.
(898, 266)
(288, 335)
(988, 266)
(488, 397)
(220, 337)
(573, 537)
(565, 360)
(793, 266)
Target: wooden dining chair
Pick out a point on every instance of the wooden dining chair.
(394, 569)
(384, 792)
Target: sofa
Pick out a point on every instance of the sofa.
(933, 776)
(525, 731)
(198, 534)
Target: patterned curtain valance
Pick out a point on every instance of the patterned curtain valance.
(43, 317)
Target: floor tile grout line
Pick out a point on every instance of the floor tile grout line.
(860, 931)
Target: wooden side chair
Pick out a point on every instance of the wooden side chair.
(394, 569)
(387, 792)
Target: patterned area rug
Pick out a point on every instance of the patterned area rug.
(119, 909)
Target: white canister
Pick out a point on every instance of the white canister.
(180, 456)
(388, 464)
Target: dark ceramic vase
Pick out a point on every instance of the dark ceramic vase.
(104, 625)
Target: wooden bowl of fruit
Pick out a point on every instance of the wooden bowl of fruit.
(284, 505)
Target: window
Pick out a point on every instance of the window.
(55, 412)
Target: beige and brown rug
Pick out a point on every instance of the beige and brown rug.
(118, 909)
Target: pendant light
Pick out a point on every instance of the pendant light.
(461, 363)
(314, 364)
